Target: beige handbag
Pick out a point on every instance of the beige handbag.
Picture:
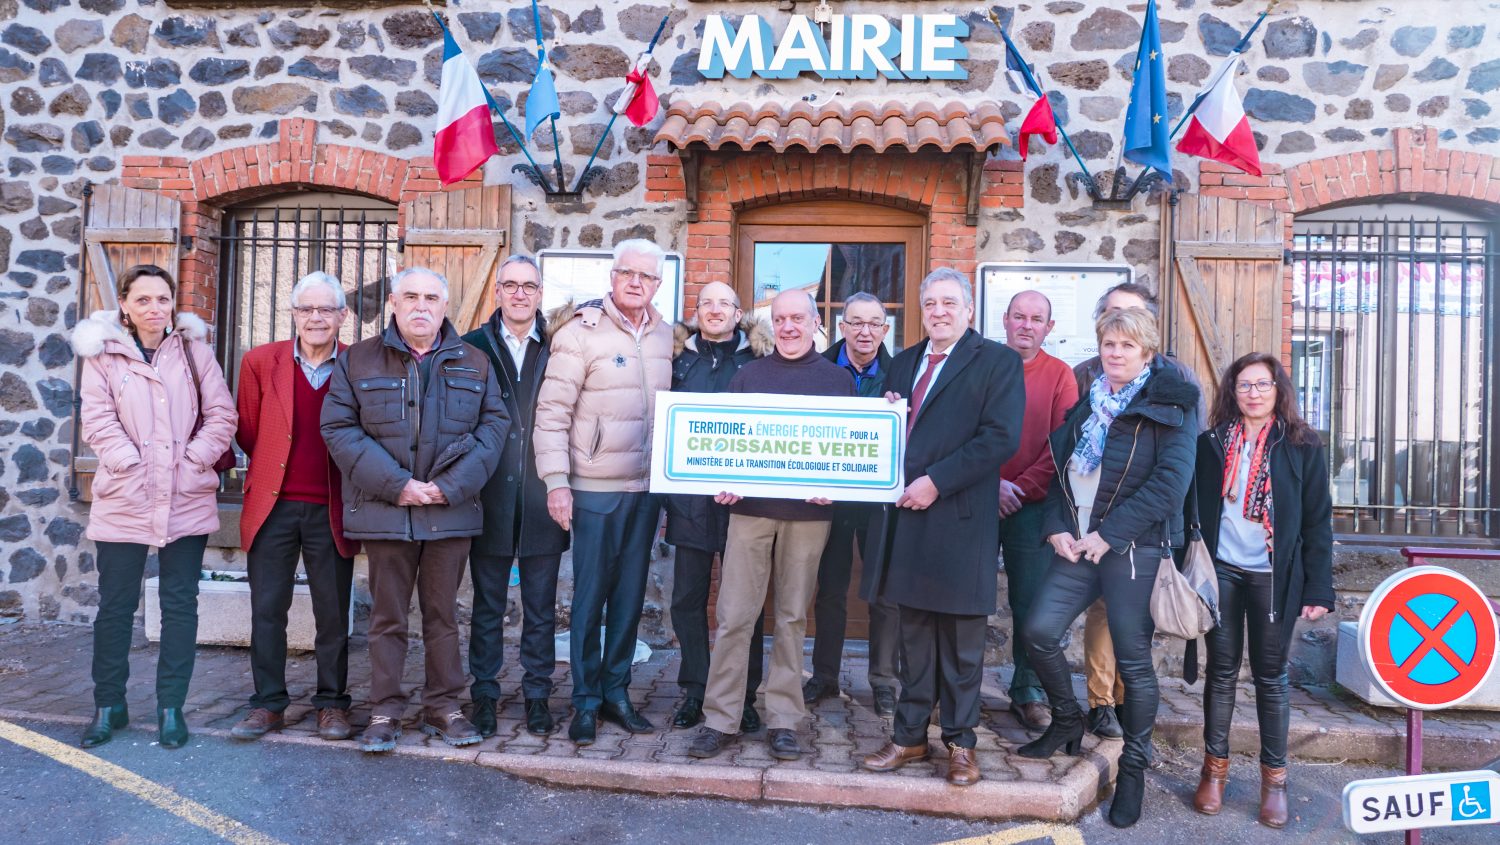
(1185, 603)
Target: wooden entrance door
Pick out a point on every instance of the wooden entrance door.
(834, 248)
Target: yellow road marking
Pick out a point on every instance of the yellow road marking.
(129, 782)
(1059, 834)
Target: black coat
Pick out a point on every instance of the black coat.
(944, 559)
(698, 522)
(515, 494)
(1302, 540)
(384, 427)
(1146, 470)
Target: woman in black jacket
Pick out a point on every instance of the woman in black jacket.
(1124, 458)
(1267, 520)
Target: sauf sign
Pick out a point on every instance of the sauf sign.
(855, 47)
(1421, 801)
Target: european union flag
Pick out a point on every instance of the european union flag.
(1146, 129)
(541, 102)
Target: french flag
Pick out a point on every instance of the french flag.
(1219, 129)
(465, 136)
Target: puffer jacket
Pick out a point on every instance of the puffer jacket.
(1146, 469)
(597, 405)
(384, 428)
(699, 366)
(155, 482)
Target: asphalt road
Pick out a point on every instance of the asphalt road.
(265, 793)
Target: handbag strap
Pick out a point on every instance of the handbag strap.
(1195, 519)
(192, 362)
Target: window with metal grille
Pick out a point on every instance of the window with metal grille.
(268, 245)
(1394, 345)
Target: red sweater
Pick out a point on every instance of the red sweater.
(307, 465)
(1051, 391)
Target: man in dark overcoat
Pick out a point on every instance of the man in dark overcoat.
(966, 397)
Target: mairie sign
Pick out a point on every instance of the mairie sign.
(856, 47)
(1428, 637)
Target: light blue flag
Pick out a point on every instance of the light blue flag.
(541, 102)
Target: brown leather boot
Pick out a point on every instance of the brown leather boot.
(1273, 796)
(1209, 798)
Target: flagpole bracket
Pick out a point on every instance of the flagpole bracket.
(1117, 201)
(533, 173)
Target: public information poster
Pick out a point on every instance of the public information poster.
(778, 447)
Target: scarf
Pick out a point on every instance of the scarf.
(1106, 406)
(1257, 487)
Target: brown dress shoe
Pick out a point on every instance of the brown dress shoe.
(257, 724)
(1209, 798)
(333, 724)
(1272, 796)
(893, 757)
(1033, 715)
(963, 767)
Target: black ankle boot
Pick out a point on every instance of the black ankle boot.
(107, 720)
(171, 727)
(1065, 732)
(1130, 791)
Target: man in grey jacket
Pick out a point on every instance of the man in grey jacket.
(415, 423)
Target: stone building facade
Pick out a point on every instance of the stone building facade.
(219, 104)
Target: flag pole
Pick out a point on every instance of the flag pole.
(495, 108)
(1036, 89)
(541, 58)
(583, 174)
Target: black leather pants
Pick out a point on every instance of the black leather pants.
(1067, 590)
(1245, 600)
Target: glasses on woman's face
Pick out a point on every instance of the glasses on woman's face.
(1263, 386)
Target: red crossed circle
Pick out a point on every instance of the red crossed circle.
(1391, 601)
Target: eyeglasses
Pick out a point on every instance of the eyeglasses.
(305, 311)
(853, 327)
(645, 278)
(529, 288)
(1262, 386)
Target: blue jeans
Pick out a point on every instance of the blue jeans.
(612, 534)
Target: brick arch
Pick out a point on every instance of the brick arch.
(294, 160)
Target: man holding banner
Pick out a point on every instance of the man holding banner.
(771, 542)
(967, 397)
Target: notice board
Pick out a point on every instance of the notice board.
(1074, 289)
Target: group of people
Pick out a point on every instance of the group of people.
(503, 446)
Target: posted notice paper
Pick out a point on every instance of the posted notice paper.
(775, 446)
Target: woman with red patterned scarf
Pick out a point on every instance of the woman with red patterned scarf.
(1263, 497)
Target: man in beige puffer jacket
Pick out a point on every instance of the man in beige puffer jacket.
(592, 440)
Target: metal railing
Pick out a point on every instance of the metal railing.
(1394, 346)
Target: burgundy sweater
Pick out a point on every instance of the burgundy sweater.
(810, 375)
(307, 465)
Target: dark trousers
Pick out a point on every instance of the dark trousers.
(434, 568)
(1245, 602)
(692, 569)
(121, 566)
(491, 577)
(831, 613)
(942, 663)
(293, 530)
(612, 535)
(1067, 590)
(1026, 557)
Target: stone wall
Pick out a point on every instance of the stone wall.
(151, 91)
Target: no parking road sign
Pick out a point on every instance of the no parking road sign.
(1428, 636)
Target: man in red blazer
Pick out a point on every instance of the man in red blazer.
(293, 509)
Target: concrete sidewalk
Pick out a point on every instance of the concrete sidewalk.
(44, 674)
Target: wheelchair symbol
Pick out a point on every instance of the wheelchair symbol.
(1470, 807)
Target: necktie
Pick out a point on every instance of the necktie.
(919, 392)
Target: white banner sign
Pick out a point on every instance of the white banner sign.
(1421, 801)
(778, 447)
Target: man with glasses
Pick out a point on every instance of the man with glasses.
(517, 528)
(862, 352)
(293, 510)
(593, 450)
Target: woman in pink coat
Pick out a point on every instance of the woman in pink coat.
(155, 485)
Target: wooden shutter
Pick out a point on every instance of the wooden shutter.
(461, 234)
(1228, 279)
(126, 226)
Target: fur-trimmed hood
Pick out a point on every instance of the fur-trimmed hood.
(754, 332)
(92, 335)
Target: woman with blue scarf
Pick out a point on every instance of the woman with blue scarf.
(1124, 458)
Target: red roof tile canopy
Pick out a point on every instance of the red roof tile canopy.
(845, 126)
